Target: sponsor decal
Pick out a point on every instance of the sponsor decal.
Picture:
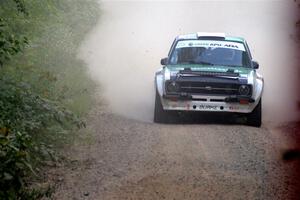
(210, 43)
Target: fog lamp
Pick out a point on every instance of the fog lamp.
(244, 90)
(172, 87)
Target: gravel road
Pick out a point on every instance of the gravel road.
(119, 158)
(123, 155)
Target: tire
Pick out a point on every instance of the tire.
(254, 118)
(161, 115)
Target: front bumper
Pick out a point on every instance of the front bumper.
(209, 103)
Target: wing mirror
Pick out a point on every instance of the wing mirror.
(164, 61)
(255, 64)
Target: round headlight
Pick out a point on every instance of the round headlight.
(244, 90)
(172, 87)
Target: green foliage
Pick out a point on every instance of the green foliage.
(21, 6)
(10, 43)
(23, 115)
(44, 88)
(49, 62)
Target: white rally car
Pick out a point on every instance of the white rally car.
(208, 72)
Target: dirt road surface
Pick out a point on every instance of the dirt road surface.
(123, 155)
(119, 158)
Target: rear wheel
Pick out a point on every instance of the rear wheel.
(161, 115)
(254, 118)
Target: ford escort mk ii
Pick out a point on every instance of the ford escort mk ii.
(209, 72)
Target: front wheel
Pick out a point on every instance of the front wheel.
(161, 115)
(254, 118)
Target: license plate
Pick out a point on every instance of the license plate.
(207, 107)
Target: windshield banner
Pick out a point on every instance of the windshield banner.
(210, 43)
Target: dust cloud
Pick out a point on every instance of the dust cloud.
(124, 49)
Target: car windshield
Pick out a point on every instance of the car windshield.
(210, 52)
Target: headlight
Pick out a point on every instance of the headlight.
(172, 87)
(244, 90)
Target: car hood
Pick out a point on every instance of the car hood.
(243, 71)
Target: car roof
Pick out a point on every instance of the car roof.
(210, 35)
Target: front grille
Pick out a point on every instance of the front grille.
(209, 88)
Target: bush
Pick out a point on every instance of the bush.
(23, 115)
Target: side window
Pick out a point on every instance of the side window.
(174, 58)
(246, 61)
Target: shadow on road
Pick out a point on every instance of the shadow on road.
(208, 118)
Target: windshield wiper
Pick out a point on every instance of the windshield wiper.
(205, 63)
(232, 65)
(199, 62)
(188, 62)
